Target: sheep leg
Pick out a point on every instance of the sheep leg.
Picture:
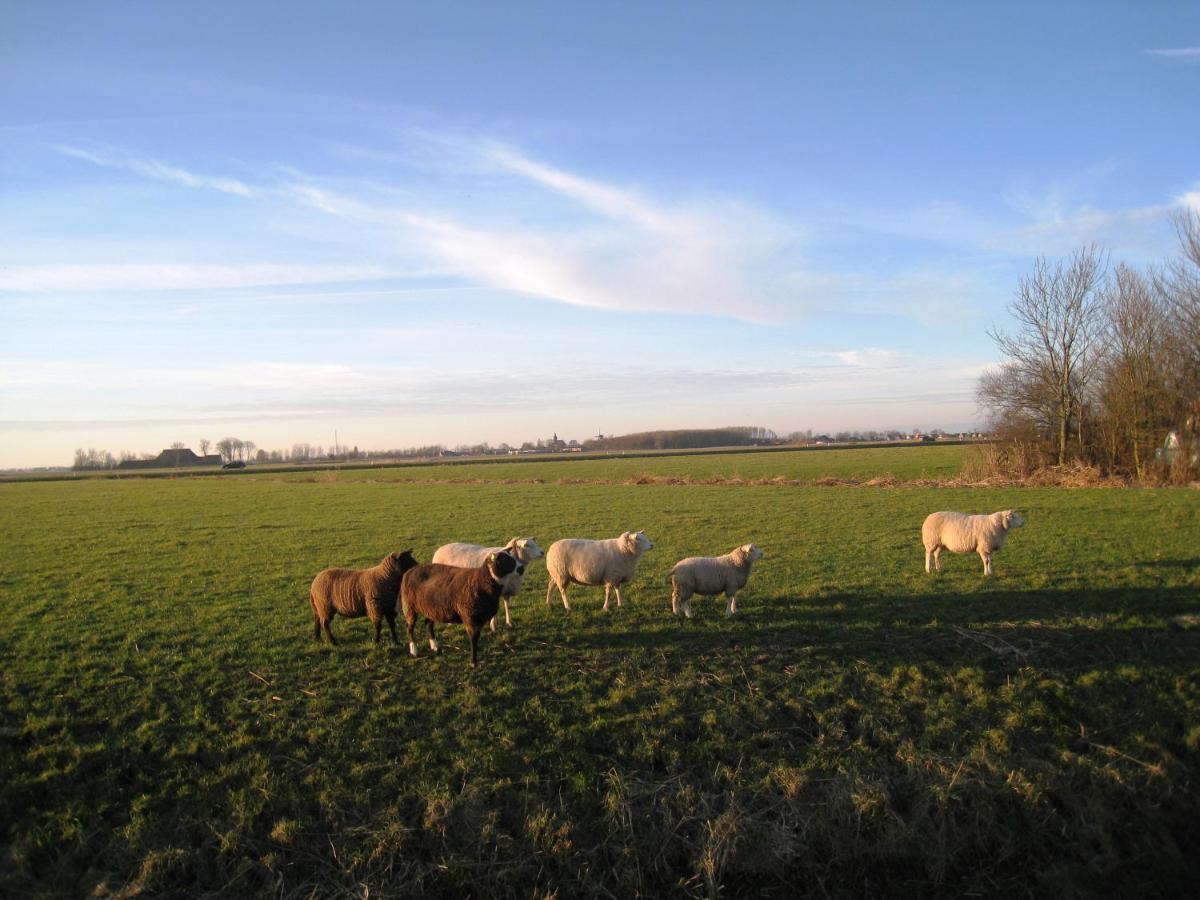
(674, 599)
(730, 604)
(391, 620)
(683, 596)
(328, 630)
(492, 623)
(507, 617)
(378, 629)
(937, 558)
(473, 637)
(607, 589)
(562, 592)
(617, 588)
(412, 643)
(986, 556)
(928, 561)
(433, 644)
(316, 629)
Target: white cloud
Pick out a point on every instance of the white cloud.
(1057, 224)
(1187, 54)
(152, 168)
(870, 358)
(617, 251)
(581, 241)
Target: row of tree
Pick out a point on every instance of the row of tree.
(687, 438)
(1103, 366)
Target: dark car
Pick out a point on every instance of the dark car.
(234, 464)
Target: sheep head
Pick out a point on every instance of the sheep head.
(752, 553)
(501, 564)
(526, 549)
(635, 542)
(403, 560)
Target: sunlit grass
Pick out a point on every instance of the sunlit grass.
(169, 725)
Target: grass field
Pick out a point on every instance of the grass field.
(169, 726)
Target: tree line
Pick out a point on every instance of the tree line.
(1103, 364)
(685, 438)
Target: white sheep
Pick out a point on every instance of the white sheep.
(610, 563)
(471, 556)
(962, 533)
(711, 575)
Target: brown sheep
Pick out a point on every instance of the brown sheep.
(354, 593)
(443, 593)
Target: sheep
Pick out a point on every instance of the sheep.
(962, 533)
(610, 563)
(709, 575)
(526, 550)
(359, 592)
(444, 593)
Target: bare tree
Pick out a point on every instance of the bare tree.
(205, 443)
(1179, 285)
(1051, 354)
(1133, 390)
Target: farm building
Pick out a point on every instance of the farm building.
(171, 459)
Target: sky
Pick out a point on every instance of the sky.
(417, 223)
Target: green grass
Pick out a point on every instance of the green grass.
(169, 726)
(903, 462)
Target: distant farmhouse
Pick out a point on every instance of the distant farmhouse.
(171, 459)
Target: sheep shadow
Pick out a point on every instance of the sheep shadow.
(1096, 628)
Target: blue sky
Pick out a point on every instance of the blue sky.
(458, 222)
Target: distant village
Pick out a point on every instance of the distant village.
(235, 453)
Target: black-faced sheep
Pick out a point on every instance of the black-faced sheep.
(448, 594)
(526, 550)
(611, 563)
(354, 593)
(709, 575)
(962, 533)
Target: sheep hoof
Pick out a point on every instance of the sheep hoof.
(412, 649)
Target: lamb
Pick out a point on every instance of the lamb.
(962, 533)
(526, 550)
(610, 563)
(444, 593)
(709, 575)
(354, 593)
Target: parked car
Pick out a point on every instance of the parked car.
(234, 464)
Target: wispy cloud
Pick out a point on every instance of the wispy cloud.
(576, 240)
(1184, 54)
(1058, 221)
(221, 392)
(153, 168)
(166, 276)
(607, 247)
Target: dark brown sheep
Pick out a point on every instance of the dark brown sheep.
(443, 593)
(354, 593)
